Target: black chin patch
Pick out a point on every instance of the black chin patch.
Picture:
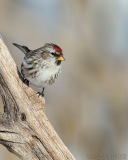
(58, 62)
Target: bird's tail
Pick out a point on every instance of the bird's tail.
(24, 49)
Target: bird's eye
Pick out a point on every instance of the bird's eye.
(54, 54)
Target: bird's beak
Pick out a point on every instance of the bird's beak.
(60, 58)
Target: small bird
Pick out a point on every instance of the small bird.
(41, 66)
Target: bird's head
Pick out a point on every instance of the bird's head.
(53, 53)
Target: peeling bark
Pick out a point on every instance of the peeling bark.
(24, 127)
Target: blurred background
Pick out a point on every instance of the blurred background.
(88, 104)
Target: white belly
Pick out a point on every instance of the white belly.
(43, 76)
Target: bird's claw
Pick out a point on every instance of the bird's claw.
(40, 94)
(25, 81)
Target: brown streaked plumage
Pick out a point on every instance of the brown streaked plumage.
(42, 66)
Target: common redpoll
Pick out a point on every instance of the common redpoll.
(42, 66)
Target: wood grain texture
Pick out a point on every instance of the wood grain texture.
(24, 127)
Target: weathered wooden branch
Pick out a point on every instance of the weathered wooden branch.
(24, 127)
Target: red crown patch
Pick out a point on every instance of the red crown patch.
(57, 48)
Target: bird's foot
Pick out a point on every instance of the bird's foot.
(41, 93)
(25, 81)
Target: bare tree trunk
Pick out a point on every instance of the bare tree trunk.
(24, 127)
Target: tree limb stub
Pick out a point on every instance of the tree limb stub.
(24, 127)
